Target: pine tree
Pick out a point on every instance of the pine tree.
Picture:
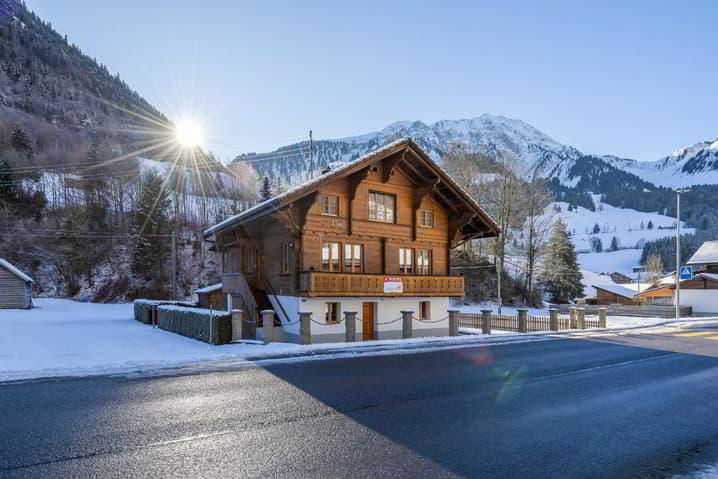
(151, 220)
(614, 244)
(265, 192)
(562, 276)
(650, 225)
(596, 229)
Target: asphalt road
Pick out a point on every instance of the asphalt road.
(631, 406)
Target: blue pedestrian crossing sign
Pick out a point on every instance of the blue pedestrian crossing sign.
(686, 273)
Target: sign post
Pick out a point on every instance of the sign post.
(686, 273)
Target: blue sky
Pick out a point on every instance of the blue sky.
(635, 79)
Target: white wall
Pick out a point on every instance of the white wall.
(702, 300)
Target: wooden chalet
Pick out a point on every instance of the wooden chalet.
(372, 236)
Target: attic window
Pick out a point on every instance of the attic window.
(329, 205)
(426, 218)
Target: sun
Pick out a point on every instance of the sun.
(188, 133)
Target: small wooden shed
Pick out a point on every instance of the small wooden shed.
(15, 287)
(211, 297)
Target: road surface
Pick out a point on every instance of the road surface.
(627, 406)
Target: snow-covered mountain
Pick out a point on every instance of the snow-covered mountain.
(693, 165)
(487, 133)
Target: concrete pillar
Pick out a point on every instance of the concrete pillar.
(572, 317)
(486, 321)
(305, 328)
(553, 319)
(350, 324)
(523, 320)
(602, 317)
(407, 318)
(237, 318)
(453, 322)
(581, 318)
(267, 325)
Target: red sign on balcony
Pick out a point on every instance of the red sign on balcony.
(393, 285)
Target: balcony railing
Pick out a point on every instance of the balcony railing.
(317, 283)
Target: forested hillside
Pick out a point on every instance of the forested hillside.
(93, 189)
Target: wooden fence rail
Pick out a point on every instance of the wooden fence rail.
(534, 324)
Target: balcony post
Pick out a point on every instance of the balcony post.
(581, 318)
(305, 328)
(350, 324)
(237, 319)
(486, 321)
(453, 322)
(407, 318)
(523, 315)
(267, 325)
(553, 319)
(602, 318)
(572, 317)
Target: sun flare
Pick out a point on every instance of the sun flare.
(188, 133)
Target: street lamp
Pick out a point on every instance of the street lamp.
(678, 250)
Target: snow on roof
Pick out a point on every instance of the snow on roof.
(276, 201)
(209, 289)
(617, 289)
(6, 264)
(710, 276)
(706, 254)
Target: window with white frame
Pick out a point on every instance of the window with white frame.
(426, 218)
(331, 260)
(423, 261)
(406, 261)
(329, 205)
(382, 207)
(352, 258)
(331, 313)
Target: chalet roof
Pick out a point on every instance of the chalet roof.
(617, 289)
(6, 264)
(706, 254)
(671, 285)
(209, 289)
(304, 189)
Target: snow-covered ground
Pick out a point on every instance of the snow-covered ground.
(630, 227)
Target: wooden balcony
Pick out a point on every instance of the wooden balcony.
(316, 283)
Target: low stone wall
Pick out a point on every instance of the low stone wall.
(196, 323)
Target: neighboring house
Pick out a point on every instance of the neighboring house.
(701, 293)
(615, 294)
(620, 278)
(705, 260)
(372, 236)
(211, 297)
(15, 287)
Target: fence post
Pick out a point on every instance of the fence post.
(572, 317)
(553, 319)
(602, 317)
(407, 317)
(267, 325)
(486, 321)
(453, 322)
(237, 324)
(305, 328)
(523, 320)
(581, 318)
(350, 323)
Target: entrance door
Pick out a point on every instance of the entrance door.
(368, 321)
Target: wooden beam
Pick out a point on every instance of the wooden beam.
(443, 197)
(455, 224)
(390, 163)
(355, 180)
(415, 171)
(302, 207)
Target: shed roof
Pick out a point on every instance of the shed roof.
(304, 189)
(706, 254)
(6, 264)
(209, 289)
(617, 289)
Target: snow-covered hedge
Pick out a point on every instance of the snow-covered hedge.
(195, 323)
(144, 307)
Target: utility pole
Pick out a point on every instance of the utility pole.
(678, 251)
(311, 155)
(174, 265)
(499, 274)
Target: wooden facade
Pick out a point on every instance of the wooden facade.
(393, 213)
(15, 287)
(605, 298)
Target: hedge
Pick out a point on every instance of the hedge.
(143, 307)
(195, 323)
